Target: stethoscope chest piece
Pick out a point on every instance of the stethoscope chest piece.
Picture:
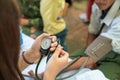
(45, 45)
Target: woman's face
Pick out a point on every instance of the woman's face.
(104, 4)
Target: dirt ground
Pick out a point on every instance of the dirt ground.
(77, 30)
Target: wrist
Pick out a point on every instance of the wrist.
(25, 58)
(49, 76)
(29, 56)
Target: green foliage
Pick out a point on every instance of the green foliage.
(26, 31)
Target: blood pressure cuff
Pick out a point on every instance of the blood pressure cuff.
(99, 48)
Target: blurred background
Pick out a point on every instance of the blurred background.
(77, 29)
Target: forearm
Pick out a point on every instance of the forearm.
(48, 76)
(80, 62)
(65, 10)
(90, 39)
(21, 62)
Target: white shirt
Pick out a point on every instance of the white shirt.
(111, 29)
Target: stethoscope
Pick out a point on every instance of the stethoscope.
(45, 46)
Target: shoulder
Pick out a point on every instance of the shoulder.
(95, 8)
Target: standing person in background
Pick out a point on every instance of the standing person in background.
(68, 3)
(31, 21)
(54, 24)
(85, 17)
(11, 63)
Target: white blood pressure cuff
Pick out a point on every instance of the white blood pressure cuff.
(98, 48)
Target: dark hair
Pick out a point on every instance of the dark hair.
(9, 40)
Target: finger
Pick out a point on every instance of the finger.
(31, 73)
(41, 74)
(54, 38)
(54, 44)
(43, 36)
(57, 51)
(52, 49)
(64, 54)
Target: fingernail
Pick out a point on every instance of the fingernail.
(53, 39)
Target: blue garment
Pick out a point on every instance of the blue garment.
(62, 37)
(104, 13)
(21, 39)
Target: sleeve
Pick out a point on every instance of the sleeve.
(114, 34)
(93, 28)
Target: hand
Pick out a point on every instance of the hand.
(56, 63)
(31, 73)
(34, 51)
(92, 66)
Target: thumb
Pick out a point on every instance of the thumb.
(31, 73)
(57, 51)
(64, 54)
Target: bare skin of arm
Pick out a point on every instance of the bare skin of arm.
(91, 64)
(28, 55)
(90, 39)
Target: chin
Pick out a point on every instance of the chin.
(102, 8)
